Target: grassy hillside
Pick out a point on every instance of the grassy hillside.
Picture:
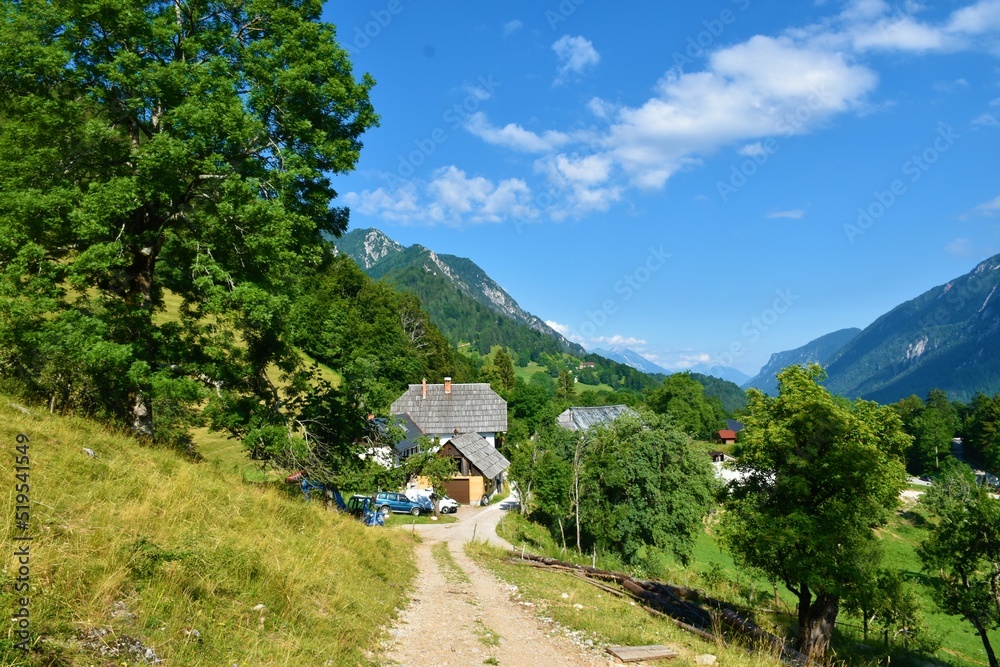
(140, 547)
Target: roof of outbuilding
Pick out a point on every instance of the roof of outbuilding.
(727, 434)
(472, 407)
(481, 454)
(580, 419)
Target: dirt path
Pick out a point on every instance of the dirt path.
(461, 615)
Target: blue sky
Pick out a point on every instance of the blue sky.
(711, 181)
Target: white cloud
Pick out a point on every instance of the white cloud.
(750, 90)
(754, 149)
(962, 247)
(451, 197)
(514, 136)
(583, 183)
(510, 27)
(567, 332)
(398, 205)
(601, 108)
(575, 55)
(901, 33)
(458, 198)
(687, 361)
(986, 120)
(950, 86)
(794, 214)
(990, 208)
(873, 25)
(589, 170)
(976, 19)
(618, 341)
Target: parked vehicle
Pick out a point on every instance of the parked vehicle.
(448, 505)
(357, 505)
(400, 504)
(363, 507)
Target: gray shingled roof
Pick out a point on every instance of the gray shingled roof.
(473, 407)
(580, 419)
(412, 433)
(481, 454)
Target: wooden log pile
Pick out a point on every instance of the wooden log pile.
(688, 608)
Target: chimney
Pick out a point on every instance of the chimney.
(425, 388)
(447, 385)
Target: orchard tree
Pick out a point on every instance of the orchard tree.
(820, 474)
(643, 485)
(963, 551)
(153, 145)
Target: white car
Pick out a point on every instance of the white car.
(448, 505)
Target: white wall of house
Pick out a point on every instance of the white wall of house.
(445, 437)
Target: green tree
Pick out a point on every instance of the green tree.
(643, 485)
(532, 403)
(504, 369)
(886, 601)
(151, 146)
(963, 551)
(566, 386)
(982, 431)
(932, 424)
(683, 398)
(820, 474)
(439, 470)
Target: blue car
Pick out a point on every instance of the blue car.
(400, 504)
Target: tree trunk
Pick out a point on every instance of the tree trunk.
(984, 635)
(576, 490)
(816, 623)
(139, 299)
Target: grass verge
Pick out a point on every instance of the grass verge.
(409, 519)
(607, 620)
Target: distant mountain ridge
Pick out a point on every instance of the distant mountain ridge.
(442, 281)
(727, 373)
(819, 351)
(629, 357)
(946, 338)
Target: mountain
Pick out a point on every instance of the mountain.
(723, 372)
(731, 396)
(946, 338)
(629, 357)
(457, 293)
(624, 355)
(818, 351)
